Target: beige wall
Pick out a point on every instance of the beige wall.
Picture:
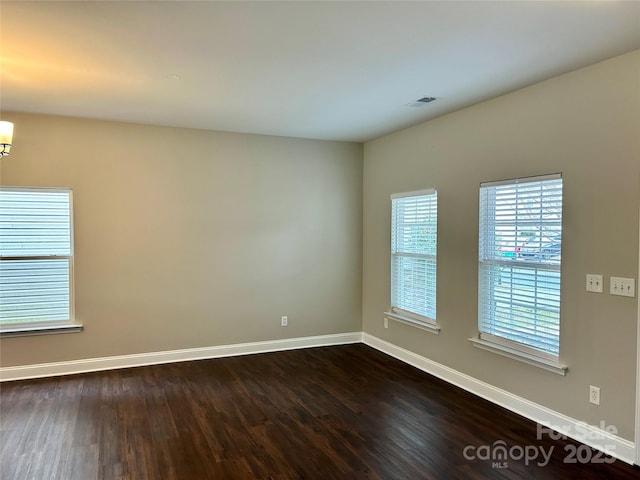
(585, 124)
(188, 238)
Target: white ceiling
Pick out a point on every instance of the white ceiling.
(328, 70)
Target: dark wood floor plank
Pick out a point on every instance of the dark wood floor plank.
(345, 412)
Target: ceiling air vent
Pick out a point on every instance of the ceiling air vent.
(421, 101)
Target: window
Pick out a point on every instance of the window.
(36, 259)
(519, 268)
(414, 222)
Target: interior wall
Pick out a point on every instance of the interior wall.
(190, 238)
(584, 124)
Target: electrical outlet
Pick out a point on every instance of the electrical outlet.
(594, 395)
(386, 322)
(622, 286)
(284, 321)
(594, 283)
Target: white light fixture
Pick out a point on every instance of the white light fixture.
(6, 136)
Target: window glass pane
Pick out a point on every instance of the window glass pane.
(520, 252)
(522, 222)
(414, 225)
(523, 305)
(415, 285)
(34, 223)
(413, 253)
(35, 256)
(34, 291)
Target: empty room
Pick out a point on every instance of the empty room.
(319, 240)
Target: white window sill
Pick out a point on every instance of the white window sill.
(40, 330)
(429, 327)
(505, 351)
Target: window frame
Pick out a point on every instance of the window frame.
(395, 312)
(522, 351)
(46, 326)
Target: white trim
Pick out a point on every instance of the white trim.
(595, 437)
(519, 355)
(517, 181)
(519, 347)
(23, 372)
(29, 330)
(424, 325)
(19, 188)
(637, 429)
(415, 193)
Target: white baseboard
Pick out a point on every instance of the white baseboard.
(593, 436)
(139, 359)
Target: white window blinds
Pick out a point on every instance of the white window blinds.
(519, 264)
(413, 254)
(36, 259)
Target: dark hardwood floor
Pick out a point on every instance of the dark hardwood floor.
(346, 412)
